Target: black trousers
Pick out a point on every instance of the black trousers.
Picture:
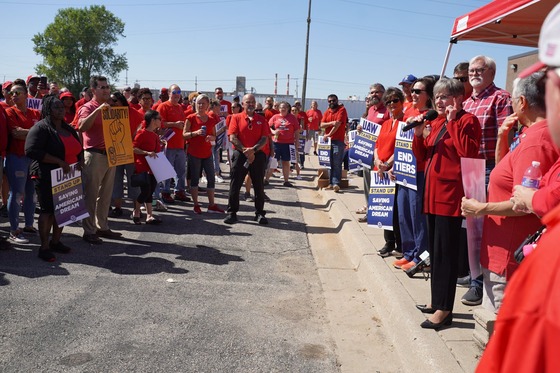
(147, 191)
(444, 235)
(238, 173)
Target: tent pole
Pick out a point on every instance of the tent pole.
(446, 58)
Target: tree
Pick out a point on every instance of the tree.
(79, 44)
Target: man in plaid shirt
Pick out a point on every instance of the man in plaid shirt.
(490, 104)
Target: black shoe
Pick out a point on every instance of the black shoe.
(92, 239)
(425, 309)
(427, 324)
(386, 250)
(266, 198)
(464, 281)
(108, 234)
(231, 218)
(314, 152)
(59, 247)
(261, 219)
(116, 212)
(46, 255)
(473, 297)
(266, 182)
(397, 253)
(288, 184)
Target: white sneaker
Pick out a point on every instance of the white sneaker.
(18, 237)
(160, 206)
(219, 179)
(203, 180)
(298, 177)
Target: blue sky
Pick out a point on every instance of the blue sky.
(353, 43)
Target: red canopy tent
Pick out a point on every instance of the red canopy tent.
(514, 22)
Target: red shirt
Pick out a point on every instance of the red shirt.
(198, 146)
(443, 183)
(79, 104)
(269, 113)
(248, 132)
(3, 132)
(527, 330)
(491, 107)
(340, 115)
(92, 138)
(135, 118)
(148, 141)
(16, 118)
(385, 144)
(286, 127)
(189, 111)
(548, 195)
(314, 119)
(173, 113)
(501, 235)
(72, 148)
(378, 114)
(225, 108)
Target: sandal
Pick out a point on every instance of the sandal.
(362, 210)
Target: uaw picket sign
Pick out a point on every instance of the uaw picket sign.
(380, 201)
(68, 196)
(404, 167)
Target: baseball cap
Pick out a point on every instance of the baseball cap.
(6, 84)
(549, 44)
(32, 77)
(164, 90)
(409, 79)
(66, 94)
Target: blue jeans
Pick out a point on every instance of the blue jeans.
(337, 156)
(21, 186)
(178, 160)
(118, 186)
(412, 222)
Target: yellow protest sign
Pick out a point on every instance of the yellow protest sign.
(118, 139)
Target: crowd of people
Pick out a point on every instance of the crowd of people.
(475, 119)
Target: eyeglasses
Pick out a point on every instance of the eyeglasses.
(478, 71)
(393, 101)
(462, 79)
(103, 87)
(417, 91)
(332, 101)
(16, 93)
(177, 92)
(442, 97)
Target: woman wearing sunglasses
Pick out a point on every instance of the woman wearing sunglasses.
(20, 119)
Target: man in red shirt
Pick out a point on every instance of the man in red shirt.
(314, 116)
(248, 133)
(225, 108)
(163, 97)
(334, 124)
(406, 85)
(269, 110)
(173, 117)
(98, 176)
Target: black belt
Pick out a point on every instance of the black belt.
(98, 151)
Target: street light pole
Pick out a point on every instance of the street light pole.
(304, 86)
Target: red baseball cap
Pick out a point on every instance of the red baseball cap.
(32, 77)
(67, 94)
(7, 84)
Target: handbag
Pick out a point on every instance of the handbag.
(530, 240)
(140, 180)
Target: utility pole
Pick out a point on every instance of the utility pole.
(304, 88)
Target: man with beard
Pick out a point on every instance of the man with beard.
(334, 124)
(269, 110)
(491, 105)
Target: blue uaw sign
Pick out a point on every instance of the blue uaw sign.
(324, 151)
(364, 143)
(404, 167)
(380, 202)
(352, 164)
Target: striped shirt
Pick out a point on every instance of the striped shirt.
(491, 107)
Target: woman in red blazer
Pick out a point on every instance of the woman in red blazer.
(453, 135)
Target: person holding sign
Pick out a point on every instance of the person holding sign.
(146, 144)
(453, 134)
(200, 132)
(384, 154)
(285, 132)
(412, 222)
(98, 176)
(334, 124)
(51, 144)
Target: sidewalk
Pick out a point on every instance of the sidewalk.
(394, 294)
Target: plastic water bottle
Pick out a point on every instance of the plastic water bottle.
(532, 176)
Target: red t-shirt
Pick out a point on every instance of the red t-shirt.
(135, 117)
(16, 118)
(173, 113)
(502, 234)
(340, 115)
(72, 148)
(378, 114)
(314, 119)
(198, 146)
(225, 108)
(548, 195)
(249, 132)
(148, 141)
(189, 111)
(80, 103)
(269, 113)
(286, 127)
(385, 144)
(92, 138)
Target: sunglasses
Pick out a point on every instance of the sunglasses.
(177, 92)
(417, 91)
(462, 79)
(16, 93)
(332, 101)
(103, 87)
(393, 101)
